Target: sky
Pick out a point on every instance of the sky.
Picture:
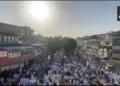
(67, 18)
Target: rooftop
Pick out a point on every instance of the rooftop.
(13, 29)
(10, 25)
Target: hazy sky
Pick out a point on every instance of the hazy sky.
(67, 18)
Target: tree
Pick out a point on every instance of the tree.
(54, 44)
(58, 43)
(69, 45)
(50, 45)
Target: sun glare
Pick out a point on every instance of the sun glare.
(39, 10)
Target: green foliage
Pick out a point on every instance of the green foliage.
(59, 43)
(69, 45)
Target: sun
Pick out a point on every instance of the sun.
(39, 10)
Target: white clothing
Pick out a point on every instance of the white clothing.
(74, 81)
(86, 75)
(85, 82)
(32, 77)
(27, 73)
(50, 72)
(77, 82)
(22, 81)
(66, 77)
(26, 81)
(70, 80)
(2, 79)
(31, 81)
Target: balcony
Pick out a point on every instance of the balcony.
(106, 46)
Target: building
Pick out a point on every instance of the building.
(105, 50)
(116, 48)
(106, 46)
(93, 45)
(11, 34)
(97, 45)
(15, 48)
(116, 45)
(81, 44)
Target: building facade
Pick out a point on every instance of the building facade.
(97, 45)
(106, 46)
(11, 34)
(15, 48)
(116, 48)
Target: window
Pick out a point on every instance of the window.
(13, 39)
(20, 38)
(10, 39)
(116, 51)
(22, 31)
(106, 43)
(16, 39)
(26, 51)
(0, 39)
(13, 50)
(116, 41)
(6, 39)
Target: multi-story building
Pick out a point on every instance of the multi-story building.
(79, 41)
(93, 45)
(11, 34)
(106, 46)
(15, 49)
(116, 45)
(97, 45)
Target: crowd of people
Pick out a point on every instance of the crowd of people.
(106, 76)
(77, 73)
(26, 75)
(52, 75)
(72, 70)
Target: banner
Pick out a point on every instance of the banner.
(3, 53)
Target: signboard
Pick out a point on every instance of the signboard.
(12, 55)
(3, 53)
(118, 13)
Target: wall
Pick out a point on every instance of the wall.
(116, 46)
